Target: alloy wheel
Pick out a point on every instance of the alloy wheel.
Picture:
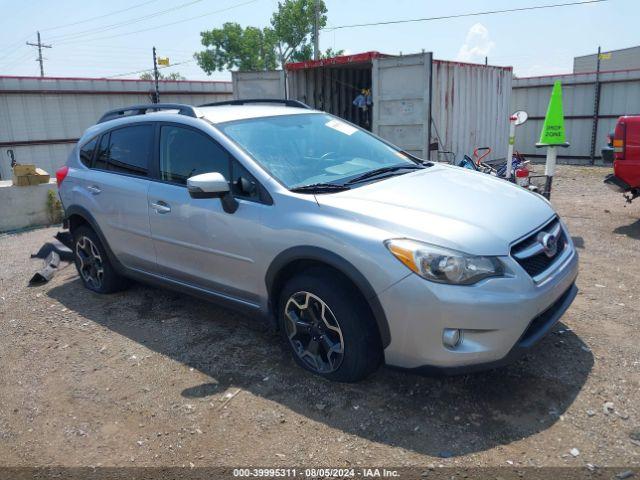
(314, 332)
(90, 262)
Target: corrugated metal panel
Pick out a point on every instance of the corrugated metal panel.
(332, 89)
(619, 95)
(268, 84)
(470, 108)
(106, 86)
(619, 60)
(35, 111)
(365, 57)
(401, 101)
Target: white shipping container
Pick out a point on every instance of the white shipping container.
(417, 101)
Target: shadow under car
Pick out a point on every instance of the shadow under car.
(447, 416)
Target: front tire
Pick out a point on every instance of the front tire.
(93, 265)
(328, 327)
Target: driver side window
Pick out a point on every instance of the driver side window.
(185, 153)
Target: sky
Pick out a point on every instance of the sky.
(89, 39)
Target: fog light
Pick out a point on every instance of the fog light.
(451, 337)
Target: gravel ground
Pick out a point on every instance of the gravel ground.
(150, 377)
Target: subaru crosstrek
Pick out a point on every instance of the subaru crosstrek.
(357, 251)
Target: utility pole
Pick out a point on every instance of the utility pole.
(316, 29)
(40, 46)
(156, 96)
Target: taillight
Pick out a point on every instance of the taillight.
(61, 174)
(618, 140)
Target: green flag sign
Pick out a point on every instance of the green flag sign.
(553, 128)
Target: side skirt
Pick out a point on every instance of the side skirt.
(239, 305)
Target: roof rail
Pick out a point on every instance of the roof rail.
(287, 103)
(183, 109)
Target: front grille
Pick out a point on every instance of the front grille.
(530, 253)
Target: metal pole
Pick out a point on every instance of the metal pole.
(316, 30)
(429, 119)
(156, 98)
(596, 112)
(512, 139)
(550, 170)
(40, 56)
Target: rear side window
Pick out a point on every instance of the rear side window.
(102, 155)
(185, 153)
(86, 152)
(129, 149)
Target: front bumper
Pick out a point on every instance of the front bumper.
(501, 318)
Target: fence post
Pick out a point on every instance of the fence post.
(596, 111)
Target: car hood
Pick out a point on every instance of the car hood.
(448, 206)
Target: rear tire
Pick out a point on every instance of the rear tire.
(93, 265)
(328, 327)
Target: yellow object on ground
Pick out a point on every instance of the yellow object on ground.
(25, 175)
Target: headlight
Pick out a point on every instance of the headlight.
(443, 265)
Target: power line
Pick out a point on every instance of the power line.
(165, 24)
(461, 15)
(150, 69)
(16, 61)
(99, 16)
(91, 31)
(77, 23)
(13, 52)
(16, 43)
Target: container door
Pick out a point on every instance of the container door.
(401, 101)
(268, 84)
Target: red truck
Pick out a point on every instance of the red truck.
(626, 158)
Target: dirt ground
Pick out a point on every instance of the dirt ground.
(149, 377)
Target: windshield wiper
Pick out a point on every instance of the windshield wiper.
(320, 188)
(381, 171)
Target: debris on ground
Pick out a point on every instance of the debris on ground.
(49, 268)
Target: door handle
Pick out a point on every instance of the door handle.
(95, 190)
(161, 207)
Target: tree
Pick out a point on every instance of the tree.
(289, 38)
(233, 47)
(330, 53)
(162, 76)
(293, 27)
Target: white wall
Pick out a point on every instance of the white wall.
(23, 207)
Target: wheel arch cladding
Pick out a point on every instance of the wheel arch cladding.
(289, 262)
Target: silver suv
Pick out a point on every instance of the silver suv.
(358, 252)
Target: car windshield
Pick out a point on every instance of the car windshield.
(314, 148)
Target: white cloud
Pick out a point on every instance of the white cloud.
(477, 45)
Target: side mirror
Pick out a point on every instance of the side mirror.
(520, 117)
(207, 185)
(212, 185)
